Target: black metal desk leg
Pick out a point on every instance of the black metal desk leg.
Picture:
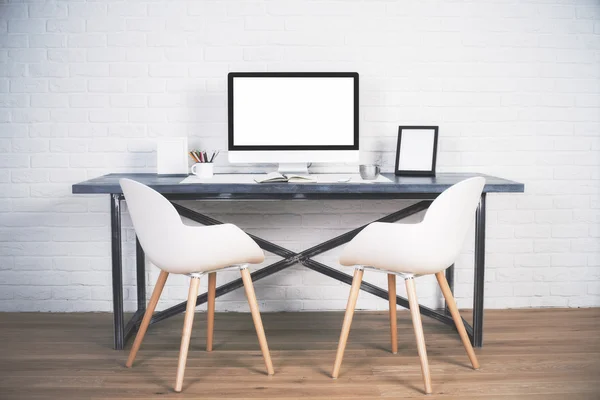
(140, 264)
(117, 271)
(479, 273)
(450, 279)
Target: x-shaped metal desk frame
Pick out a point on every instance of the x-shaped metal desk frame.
(122, 331)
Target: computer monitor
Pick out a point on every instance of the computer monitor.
(293, 118)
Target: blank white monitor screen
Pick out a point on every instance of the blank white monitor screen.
(293, 111)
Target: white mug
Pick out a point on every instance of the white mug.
(203, 170)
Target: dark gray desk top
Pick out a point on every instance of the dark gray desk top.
(400, 187)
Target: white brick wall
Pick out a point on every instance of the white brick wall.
(87, 87)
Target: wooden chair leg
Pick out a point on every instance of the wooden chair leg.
(158, 288)
(451, 303)
(187, 332)
(416, 318)
(260, 331)
(393, 322)
(358, 274)
(210, 323)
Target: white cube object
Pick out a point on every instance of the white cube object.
(172, 156)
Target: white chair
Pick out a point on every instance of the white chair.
(412, 250)
(177, 248)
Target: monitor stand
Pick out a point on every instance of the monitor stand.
(293, 168)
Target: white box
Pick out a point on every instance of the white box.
(172, 156)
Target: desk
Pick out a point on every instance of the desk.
(424, 188)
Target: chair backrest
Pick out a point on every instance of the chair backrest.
(156, 222)
(450, 215)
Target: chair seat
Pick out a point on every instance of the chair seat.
(208, 248)
(402, 248)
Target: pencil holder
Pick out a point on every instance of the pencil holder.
(203, 170)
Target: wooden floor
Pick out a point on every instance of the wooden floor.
(528, 354)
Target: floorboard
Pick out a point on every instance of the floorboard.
(545, 354)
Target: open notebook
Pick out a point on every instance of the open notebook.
(274, 177)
